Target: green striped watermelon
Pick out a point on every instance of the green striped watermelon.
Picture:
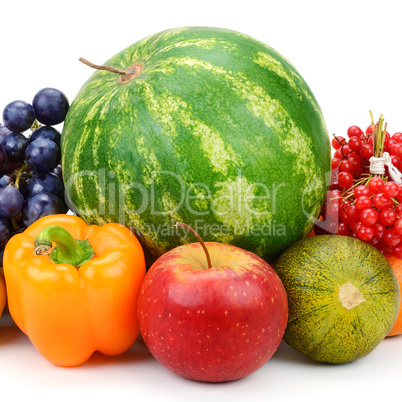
(213, 128)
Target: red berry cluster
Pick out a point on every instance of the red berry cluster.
(360, 204)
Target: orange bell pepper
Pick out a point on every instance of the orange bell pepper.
(68, 307)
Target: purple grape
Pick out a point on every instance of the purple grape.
(46, 132)
(11, 202)
(51, 106)
(45, 182)
(3, 160)
(58, 171)
(3, 131)
(39, 205)
(15, 144)
(18, 116)
(5, 180)
(43, 155)
(5, 231)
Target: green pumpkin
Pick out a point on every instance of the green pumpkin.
(343, 297)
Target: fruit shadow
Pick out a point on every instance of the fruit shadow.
(285, 353)
(136, 354)
(9, 332)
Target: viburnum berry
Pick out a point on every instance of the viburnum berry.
(346, 204)
(337, 142)
(369, 129)
(397, 251)
(354, 131)
(398, 226)
(356, 162)
(333, 210)
(396, 161)
(396, 150)
(328, 226)
(365, 232)
(391, 189)
(335, 163)
(363, 202)
(350, 215)
(334, 196)
(369, 216)
(398, 209)
(379, 229)
(391, 238)
(366, 151)
(345, 165)
(388, 145)
(343, 229)
(387, 216)
(345, 179)
(397, 137)
(355, 144)
(370, 210)
(376, 185)
(361, 191)
(355, 226)
(381, 202)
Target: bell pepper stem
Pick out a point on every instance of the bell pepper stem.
(67, 249)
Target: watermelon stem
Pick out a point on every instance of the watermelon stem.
(125, 75)
(188, 227)
(107, 68)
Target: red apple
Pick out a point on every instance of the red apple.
(216, 319)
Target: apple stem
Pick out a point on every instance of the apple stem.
(188, 227)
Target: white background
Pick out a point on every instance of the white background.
(349, 52)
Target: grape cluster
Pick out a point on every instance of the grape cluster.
(31, 184)
(359, 203)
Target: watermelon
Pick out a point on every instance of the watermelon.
(343, 297)
(205, 126)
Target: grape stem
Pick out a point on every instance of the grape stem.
(18, 174)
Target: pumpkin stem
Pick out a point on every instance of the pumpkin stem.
(188, 227)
